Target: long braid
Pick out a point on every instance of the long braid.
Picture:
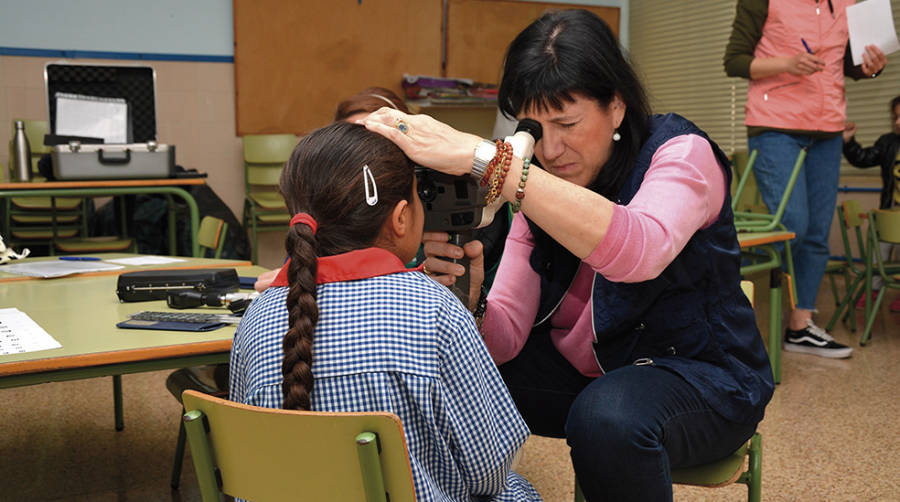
(303, 314)
(324, 179)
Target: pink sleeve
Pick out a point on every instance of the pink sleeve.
(513, 300)
(682, 192)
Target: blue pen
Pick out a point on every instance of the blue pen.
(79, 258)
(807, 46)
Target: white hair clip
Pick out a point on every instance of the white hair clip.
(371, 194)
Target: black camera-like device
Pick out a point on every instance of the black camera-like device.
(456, 204)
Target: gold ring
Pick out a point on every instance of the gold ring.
(424, 269)
(402, 126)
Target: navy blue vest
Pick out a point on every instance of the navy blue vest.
(693, 319)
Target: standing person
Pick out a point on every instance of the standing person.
(346, 326)
(883, 153)
(616, 315)
(796, 53)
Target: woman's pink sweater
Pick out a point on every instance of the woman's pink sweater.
(682, 192)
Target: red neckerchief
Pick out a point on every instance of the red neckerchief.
(351, 266)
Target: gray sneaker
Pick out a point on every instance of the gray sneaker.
(814, 340)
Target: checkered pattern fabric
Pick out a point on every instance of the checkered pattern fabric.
(404, 344)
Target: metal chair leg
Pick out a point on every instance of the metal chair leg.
(179, 454)
(117, 402)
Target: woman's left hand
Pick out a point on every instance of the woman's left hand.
(426, 141)
(873, 60)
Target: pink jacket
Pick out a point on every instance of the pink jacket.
(813, 102)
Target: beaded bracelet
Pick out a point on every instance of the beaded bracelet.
(503, 149)
(520, 191)
(498, 174)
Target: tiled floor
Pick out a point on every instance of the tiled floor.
(832, 432)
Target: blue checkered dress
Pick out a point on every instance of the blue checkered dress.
(400, 343)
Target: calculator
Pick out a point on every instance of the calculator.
(178, 321)
(192, 317)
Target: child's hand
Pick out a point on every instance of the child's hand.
(849, 131)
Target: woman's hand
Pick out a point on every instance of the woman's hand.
(873, 60)
(849, 131)
(438, 250)
(426, 141)
(804, 63)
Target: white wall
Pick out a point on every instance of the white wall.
(195, 27)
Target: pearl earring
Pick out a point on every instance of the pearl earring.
(616, 135)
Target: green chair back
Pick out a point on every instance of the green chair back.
(768, 222)
(851, 223)
(884, 226)
(887, 225)
(265, 155)
(211, 235)
(745, 194)
(269, 454)
(264, 208)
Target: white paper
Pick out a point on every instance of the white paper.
(92, 116)
(19, 333)
(146, 260)
(871, 23)
(57, 268)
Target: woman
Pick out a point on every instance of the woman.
(346, 326)
(795, 54)
(616, 315)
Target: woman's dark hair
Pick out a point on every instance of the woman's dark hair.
(367, 101)
(894, 103)
(570, 52)
(324, 178)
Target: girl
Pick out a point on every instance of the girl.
(346, 327)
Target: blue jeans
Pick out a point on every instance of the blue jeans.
(810, 208)
(626, 429)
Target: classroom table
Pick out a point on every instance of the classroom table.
(81, 313)
(185, 262)
(106, 188)
(765, 242)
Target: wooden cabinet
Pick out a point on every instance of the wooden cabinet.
(294, 60)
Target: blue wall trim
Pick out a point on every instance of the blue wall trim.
(849, 189)
(78, 54)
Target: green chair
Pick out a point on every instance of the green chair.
(745, 196)
(270, 454)
(884, 226)
(264, 207)
(728, 470)
(754, 224)
(209, 379)
(851, 218)
(60, 223)
(211, 236)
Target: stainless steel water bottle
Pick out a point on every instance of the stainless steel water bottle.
(21, 160)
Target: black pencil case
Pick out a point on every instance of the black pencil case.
(156, 284)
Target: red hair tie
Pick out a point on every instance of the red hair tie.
(305, 219)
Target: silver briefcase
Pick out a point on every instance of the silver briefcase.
(76, 161)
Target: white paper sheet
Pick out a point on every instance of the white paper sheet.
(146, 260)
(57, 268)
(92, 116)
(871, 23)
(19, 333)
